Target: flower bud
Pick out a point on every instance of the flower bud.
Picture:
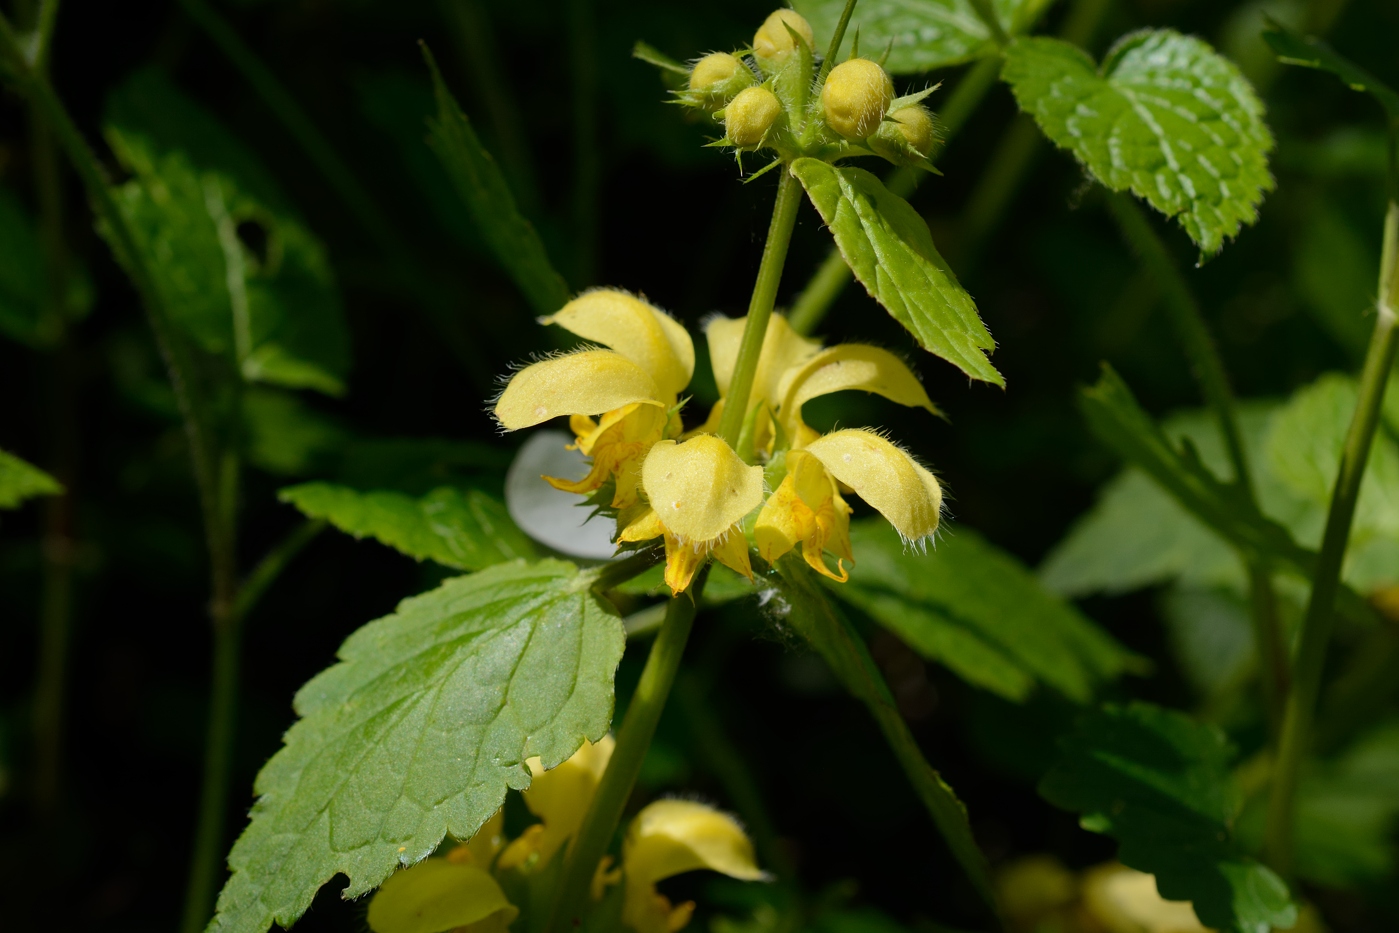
(750, 115)
(773, 43)
(910, 135)
(715, 80)
(856, 96)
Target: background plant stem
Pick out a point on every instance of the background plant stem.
(784, 218)
(1320, 615)
(633, 740)
(1194, 337)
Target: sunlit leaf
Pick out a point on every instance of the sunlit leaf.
(805, 606)
(1165, 117)
(487, 196)
(20, 481)
(234, 265)
(419, 731)
(887, 245)
(975, 609)
(1160, 784)
(920, 34)
(463, 529)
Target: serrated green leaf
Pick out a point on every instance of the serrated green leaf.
(806, 608)
(1159, 783)
(1165, 117)
(20, 481)
(1293, 48)
(920, 34)
(462, 529)
(419, 731)
(236, 269)
(487, 196)
(888, 246)
(975, 609)
(1347, 814)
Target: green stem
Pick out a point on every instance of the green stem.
(1194, 337)
(633, 739)
(272, 564)
(784, 218)
(837, 38)
(830, 279)
(410, 274)
(1317, 623)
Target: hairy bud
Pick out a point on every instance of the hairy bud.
(773, 43)
(856, 96)
(715, 80)
(910, 135)
(750, 115)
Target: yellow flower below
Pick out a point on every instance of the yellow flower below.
(806, 509)
(670, 837)
(698, 492)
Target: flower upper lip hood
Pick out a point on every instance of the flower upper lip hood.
(650, 360)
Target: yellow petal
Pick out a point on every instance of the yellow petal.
(783, 348)
(683, 560)
(849, 366)
(700, 488)
(482, 848)
(1122, 900)
(588, 382)
(436, 895)
(784, 522)
(732, 552)
(884, 476)
(561, 797)
(617, 445)
(644, 334)
(669, 837)
(644, 527)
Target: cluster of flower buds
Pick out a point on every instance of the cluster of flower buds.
(692, 489)
(762, 96)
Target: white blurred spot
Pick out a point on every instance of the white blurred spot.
(551, 516)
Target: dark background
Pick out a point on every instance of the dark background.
(1053, 282)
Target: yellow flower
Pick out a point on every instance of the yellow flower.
(560, 798)
(783, 349)
(698, 493)
(667, 838)
(807, 508)
(634, 387)
(452, 892)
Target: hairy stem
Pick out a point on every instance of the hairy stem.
(784, 218)
(1317, 623)
(833, 275)
(633, 739)
(1194, 337)
(407, 270)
